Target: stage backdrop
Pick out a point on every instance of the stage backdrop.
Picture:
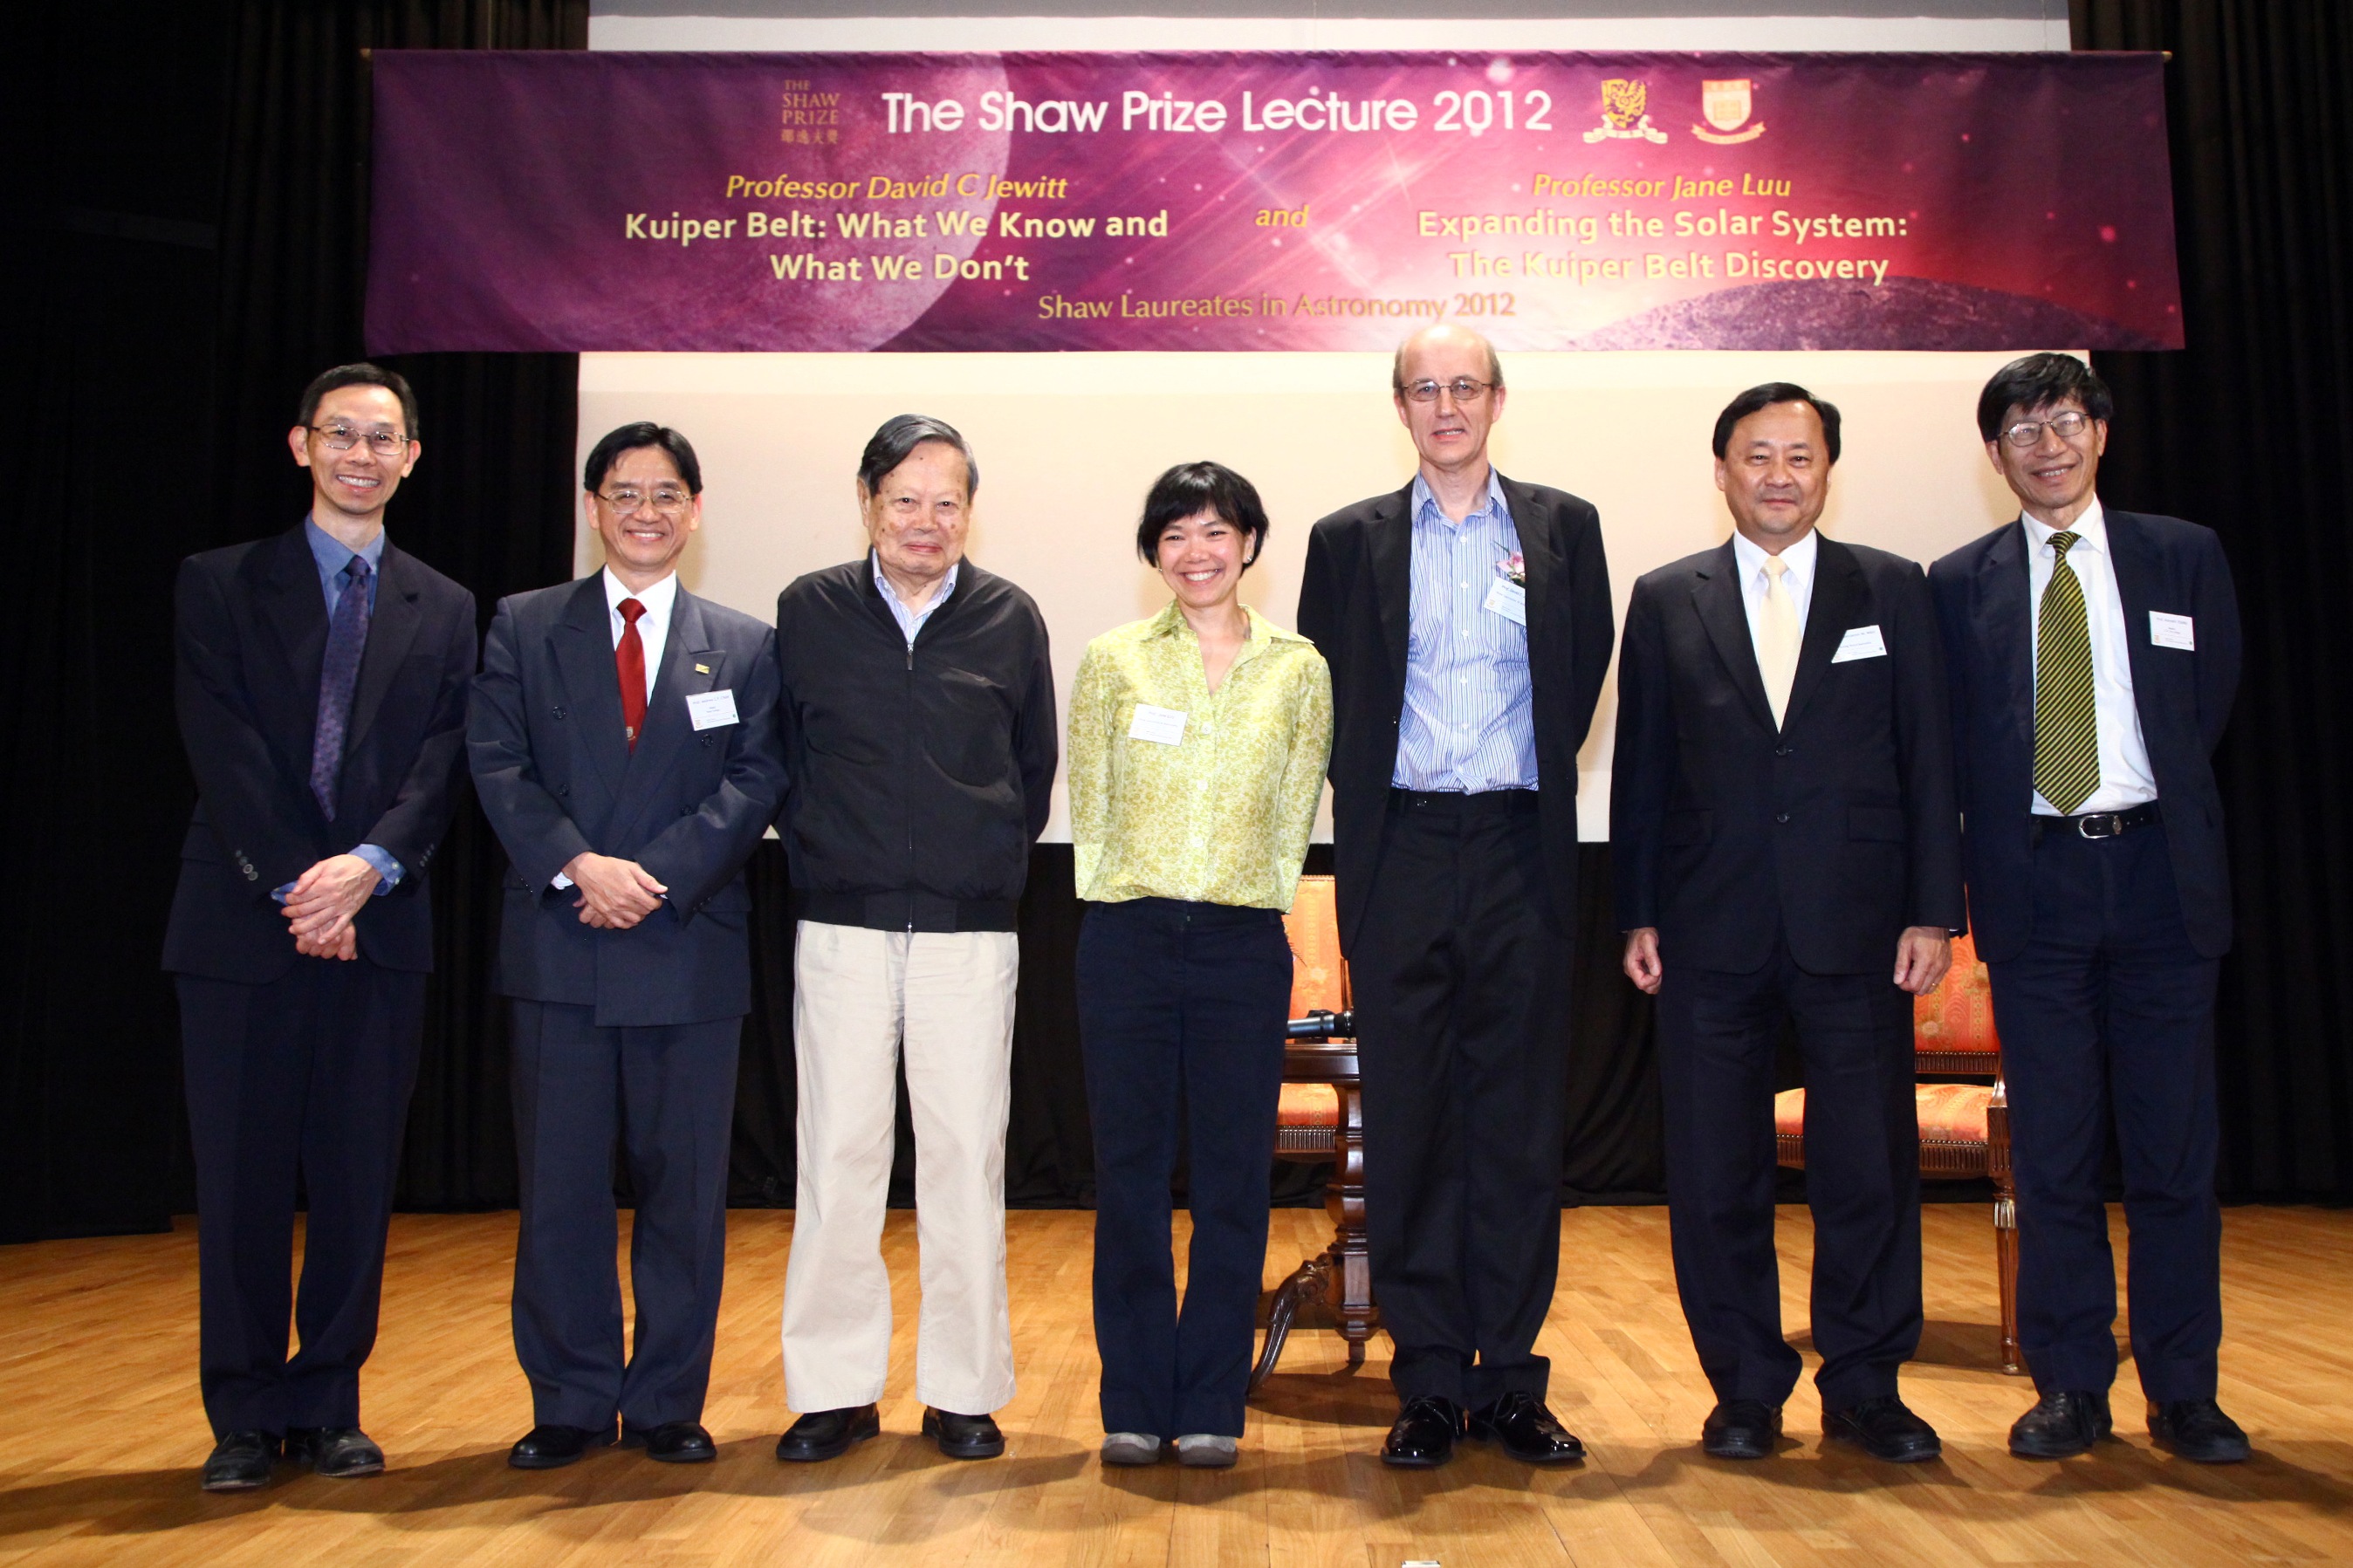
(1268, 201)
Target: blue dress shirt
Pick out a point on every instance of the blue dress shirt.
(1469, 723)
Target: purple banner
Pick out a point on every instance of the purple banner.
(546, 201)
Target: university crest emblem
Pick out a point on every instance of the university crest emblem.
(1624, 113)
(1726, 105)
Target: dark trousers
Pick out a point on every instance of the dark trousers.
(1181, 1009)
(1459, 974)
(307, 1073)
(1718, 1034)
(668, 1095)
(2109, 1013)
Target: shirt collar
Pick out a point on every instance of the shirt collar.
(882, 585)
(2091, 528)
(657, 599)
(1427, 509)
(332, 555)
(1798, 557)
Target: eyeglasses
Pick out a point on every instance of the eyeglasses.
(343, 439)
(666, 499)
(2066, 426)
(1462, 389)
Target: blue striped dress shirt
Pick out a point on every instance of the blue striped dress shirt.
(1469, 724)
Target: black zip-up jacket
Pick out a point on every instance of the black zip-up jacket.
(920, 776)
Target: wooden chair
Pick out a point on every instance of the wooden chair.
(1322, 1118)
(1964, 1127)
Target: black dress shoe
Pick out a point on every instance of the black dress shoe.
(964, 1437)
(1885, 1428)
(2197, 1430)
(552, 1447)
(671, 1442)
(1424, 1435)
(1528, 1431)
(827, 1434)
(1741, 1430)
(338, 1452)
(240, 1462)
(2061, 1425)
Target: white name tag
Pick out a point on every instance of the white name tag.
(2173, 631)
(709, 710)
(1862, 642)
(1164, 725)
(1509, 600)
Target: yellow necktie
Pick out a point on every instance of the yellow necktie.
(1778, 637)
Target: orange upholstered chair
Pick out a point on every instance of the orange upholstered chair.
(1964, 1127)
(1322, 1118)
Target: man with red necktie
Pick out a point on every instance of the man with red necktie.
(624, 744)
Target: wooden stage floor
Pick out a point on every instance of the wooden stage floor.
(102, 1432)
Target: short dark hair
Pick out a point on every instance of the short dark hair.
(629, 439)
(1757, 398)
(1190, 488)
(1396, 362)
(900, 436)
(2038, 381)
(360, 375)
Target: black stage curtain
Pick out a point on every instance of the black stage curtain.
(188, 229)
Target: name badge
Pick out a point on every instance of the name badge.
(1163, 726)
(709, 710)
(2173, 631)
(1509, 600)
(1862, 642)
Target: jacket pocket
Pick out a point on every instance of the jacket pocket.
(1689, 827)
(1878, 823)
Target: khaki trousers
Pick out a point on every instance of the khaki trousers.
(857, 995)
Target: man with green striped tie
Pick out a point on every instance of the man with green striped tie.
(2093, 655)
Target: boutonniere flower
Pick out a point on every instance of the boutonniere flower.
(1514, 568)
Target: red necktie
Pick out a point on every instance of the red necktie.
(629, 658)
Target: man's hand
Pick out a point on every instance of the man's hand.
(614, 894)
(1922, 955)
(323, 899)
(1642, 959)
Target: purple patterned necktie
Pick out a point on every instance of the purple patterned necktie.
(338, 677)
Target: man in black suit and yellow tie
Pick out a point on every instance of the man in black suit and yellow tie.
(624, 742)
(322, 694)
(2094, 655)
(1783, 836)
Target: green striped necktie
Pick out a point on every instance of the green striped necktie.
(2066, 725)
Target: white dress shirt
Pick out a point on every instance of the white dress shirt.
(1798, 558)
(654, 627)
(2125, 780)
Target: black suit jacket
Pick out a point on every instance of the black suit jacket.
(1839, 826)
(557, 777)
(2183, 697)
(1356, 603)
(250, 631)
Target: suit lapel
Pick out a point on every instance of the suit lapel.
(392, 631)
(1715, 597)
(581, 644)
(2004, 611)
(669, 730)
(1840, 597)
(1391, 542)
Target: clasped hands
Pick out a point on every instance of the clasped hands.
(1923, 953)
(319, 906)
(615, 894)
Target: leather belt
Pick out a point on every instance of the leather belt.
(2102, 824)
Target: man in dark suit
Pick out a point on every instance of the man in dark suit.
(2094, 655)
(1785, 848)
(322, 692)
(1466, 619)
(624, 744)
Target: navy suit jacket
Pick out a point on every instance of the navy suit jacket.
(250, 631)
(1838, 828)
(1355, 603)
(2183, 697)
(556, 777)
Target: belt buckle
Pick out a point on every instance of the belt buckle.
(2111, 825)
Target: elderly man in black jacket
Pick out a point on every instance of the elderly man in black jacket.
(918, 718)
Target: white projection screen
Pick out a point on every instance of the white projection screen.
(1069, 443)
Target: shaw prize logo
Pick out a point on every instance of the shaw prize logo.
(1727, 106)
(1623, 113)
